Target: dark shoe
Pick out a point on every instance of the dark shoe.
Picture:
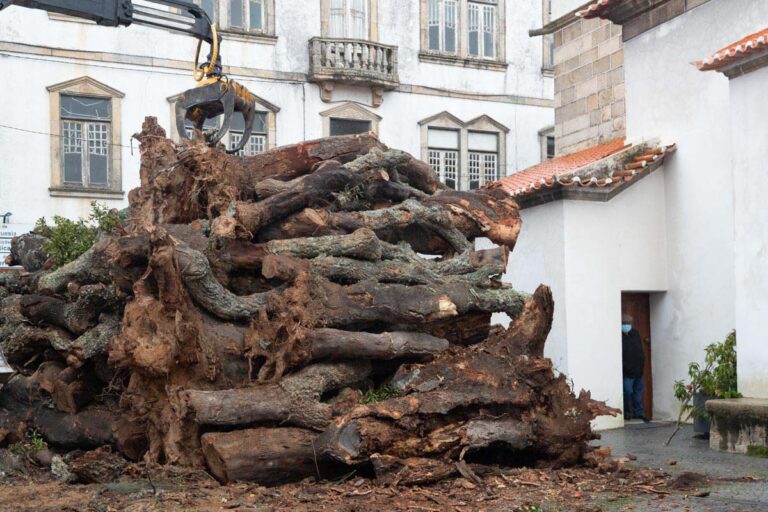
(646, 419)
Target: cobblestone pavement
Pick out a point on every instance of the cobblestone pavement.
(729, 493)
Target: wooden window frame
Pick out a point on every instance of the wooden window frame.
(461, 57)
(352, 111)
(480, 124)
(372, 10)
(88, 87)
(262, 106)
(223, 14)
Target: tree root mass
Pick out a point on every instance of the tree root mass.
(316, 308)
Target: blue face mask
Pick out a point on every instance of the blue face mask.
(625, 328)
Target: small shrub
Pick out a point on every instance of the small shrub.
(372, 396)
(755, 450)
(717, 378)
(68, 239)
(30, 445)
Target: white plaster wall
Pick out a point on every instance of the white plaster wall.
(667, 97)
(588, 252)
(610, 247)
(296, 23)
(750, 170)
(25, 170)
(539, 258)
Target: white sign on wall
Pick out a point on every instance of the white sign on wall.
(8, 231)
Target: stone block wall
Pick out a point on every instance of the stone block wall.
(589, 85)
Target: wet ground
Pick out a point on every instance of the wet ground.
(741, 483)
(643, 475)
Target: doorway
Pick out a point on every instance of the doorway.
(638, 306)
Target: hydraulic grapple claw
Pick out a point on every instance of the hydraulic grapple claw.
(212, 100)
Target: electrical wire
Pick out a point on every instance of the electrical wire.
(59, 135)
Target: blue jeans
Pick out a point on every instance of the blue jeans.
(633, 397)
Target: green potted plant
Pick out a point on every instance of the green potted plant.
(716, 379)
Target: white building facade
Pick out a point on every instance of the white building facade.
(692, 236)
(457, 82)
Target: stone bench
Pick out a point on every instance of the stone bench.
(738, 424)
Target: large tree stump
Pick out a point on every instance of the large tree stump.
(308, 311)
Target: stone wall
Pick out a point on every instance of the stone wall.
(589, 85)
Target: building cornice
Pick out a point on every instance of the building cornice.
(264, 74)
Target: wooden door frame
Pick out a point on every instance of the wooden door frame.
(638, 305)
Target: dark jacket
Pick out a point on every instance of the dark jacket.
(633, 356)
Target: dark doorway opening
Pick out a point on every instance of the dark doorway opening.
(638, 305)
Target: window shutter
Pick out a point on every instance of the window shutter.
(236, 13)
(449, 25)
(442, 138)
(474, 30)
(489, 31)
(256, 15)
(433, 23)
(359, 18)
(336, 18)
(482, 141)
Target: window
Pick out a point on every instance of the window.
(348, 119)
(483, 158)
(348, 19)
(482, 30)
(547, 142)
(252, 16)
(349, 126)
(465, 155)
(85, 157)
(262, 133)
(246, 15)
(209, 7)
(258, 141)
(85, 124)
(443, 22)
(463, 32)
(444, 155)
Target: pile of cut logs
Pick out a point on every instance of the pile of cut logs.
(308, 311)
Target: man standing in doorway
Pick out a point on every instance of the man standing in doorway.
(634, 363)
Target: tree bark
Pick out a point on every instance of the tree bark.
(268, 456)
(370, 302)
(336, 344)
(76, 317)
(259, 404)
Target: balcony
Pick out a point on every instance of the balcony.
(353, 62)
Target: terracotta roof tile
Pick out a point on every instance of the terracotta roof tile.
(736, 52)
(564, 171)
(559, 166)
(597, 9)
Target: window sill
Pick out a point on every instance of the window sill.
(548, 72)
(84, 192)
(248, 37)
(464, 62)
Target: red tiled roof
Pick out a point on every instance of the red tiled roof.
(597, 9)
(559, 166)
(564, 171)
(736, 52)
